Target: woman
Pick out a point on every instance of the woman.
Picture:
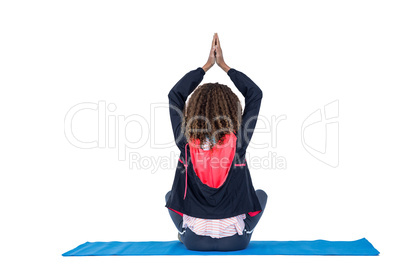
(212, 202)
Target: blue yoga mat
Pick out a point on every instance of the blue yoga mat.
(360, 247)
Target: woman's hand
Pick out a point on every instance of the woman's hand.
(211, 57)
(219, 56)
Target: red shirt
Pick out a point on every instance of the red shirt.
(212, 165)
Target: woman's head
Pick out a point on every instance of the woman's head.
(212, 111)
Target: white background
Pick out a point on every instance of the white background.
(302, 54)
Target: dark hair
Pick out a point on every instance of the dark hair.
(213, 111)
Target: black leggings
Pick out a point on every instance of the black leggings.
(193, 241)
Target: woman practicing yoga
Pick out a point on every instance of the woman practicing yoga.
(212, 202)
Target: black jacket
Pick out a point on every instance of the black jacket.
(236, 195)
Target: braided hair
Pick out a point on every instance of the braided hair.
(212, 112)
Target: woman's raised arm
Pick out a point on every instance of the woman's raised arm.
(253, 96)
(180, 92)
(177, 100)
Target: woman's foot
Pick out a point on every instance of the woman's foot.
(179, 236)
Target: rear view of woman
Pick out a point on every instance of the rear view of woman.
(213, 203)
